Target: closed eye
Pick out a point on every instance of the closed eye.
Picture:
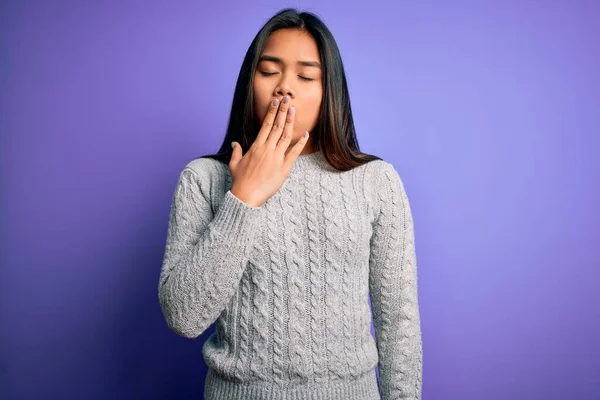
(263, 73)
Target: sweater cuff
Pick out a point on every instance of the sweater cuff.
(235, 219)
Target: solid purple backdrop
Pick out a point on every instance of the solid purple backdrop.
(488, 110)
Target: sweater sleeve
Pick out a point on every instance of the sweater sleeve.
(393, 289)
(205, 254)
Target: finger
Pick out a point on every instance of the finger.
(279, 123)
(267, 123)
(286, 136)
(296, 149)
(236, 156)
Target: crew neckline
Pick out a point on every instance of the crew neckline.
(311, 161)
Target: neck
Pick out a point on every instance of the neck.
(310, 161)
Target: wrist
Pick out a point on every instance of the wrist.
(244, 197)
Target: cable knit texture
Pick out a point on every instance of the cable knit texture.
(287, 284)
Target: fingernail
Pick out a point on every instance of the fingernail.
(275, 102)
(286, 99)
(292, 109)
(305, 134)
(232, 145)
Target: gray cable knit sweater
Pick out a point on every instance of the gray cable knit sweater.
(288, 283)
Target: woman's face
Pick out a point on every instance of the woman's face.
(290, 65)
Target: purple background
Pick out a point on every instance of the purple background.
(488, 110)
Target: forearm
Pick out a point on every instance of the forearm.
(394, 293)
(400, 349)
(199, 276)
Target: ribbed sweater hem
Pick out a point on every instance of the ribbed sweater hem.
(217, 387)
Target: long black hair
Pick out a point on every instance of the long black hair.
(334, 133)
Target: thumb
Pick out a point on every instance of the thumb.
(236, 155)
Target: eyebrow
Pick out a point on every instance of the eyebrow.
(280, 61)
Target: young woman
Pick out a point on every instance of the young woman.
(280, 239)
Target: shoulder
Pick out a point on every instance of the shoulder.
(202, 175)
(378, 173)
(376, 167)
(382, 183)
(205, 166)
(206, 170)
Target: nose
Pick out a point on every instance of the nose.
(283, 89)
(282, 92)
